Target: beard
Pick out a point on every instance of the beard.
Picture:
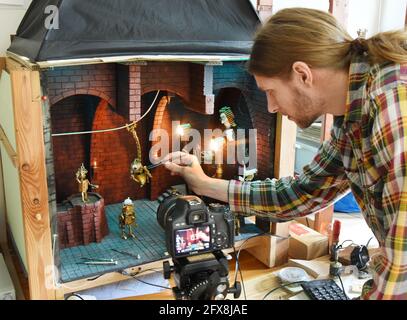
(306, 110)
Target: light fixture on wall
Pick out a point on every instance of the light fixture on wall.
(216, 146)
(182, 129)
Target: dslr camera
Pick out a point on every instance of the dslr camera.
(195, 235)
(191, 227)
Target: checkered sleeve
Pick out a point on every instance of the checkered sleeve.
(390, 142)
(286, 198)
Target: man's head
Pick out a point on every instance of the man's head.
(293, 55)
(300, 53)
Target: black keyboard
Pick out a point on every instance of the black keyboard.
(325, 289)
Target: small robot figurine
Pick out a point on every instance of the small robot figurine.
(127, 218)
(84, 183)
(227, 118)
(140, 173)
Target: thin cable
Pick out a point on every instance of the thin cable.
(241, 275)
(343, 288)
(282, 286)
(109, 130)
(134, 276)
(341, 245)
(367, 244)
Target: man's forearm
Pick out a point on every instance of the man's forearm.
(216, 189)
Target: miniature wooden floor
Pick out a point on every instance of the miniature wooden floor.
(149, 244)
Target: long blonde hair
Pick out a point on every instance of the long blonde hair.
(317, 38)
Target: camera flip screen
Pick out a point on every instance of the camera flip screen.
(192, 240)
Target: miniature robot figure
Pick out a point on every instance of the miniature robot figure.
(227, 118)
(84, 183)
(140, 173)
(127, 218)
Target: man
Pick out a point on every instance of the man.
(309, 66)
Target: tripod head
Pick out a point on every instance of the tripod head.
(201, 277)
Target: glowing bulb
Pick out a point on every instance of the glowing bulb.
(216, 144)
(181, 129)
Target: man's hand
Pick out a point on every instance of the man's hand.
(188, 167)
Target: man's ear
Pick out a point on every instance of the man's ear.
(302, 72)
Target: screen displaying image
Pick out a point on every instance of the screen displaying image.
(193, 239)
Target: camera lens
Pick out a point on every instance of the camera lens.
(165, 209)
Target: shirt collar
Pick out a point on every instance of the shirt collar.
(359, 73)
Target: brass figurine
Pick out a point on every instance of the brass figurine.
(84, 183)
(138, 172)
(127, 219)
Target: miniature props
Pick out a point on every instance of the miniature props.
(227, 118)
(127, 219)
(84, 183)
(138, 171)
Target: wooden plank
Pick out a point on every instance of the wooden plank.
(8, 147)
(265, 9)
(286, 137)
(340, 9)
(323, 219)
(33, 179)
(2, 64)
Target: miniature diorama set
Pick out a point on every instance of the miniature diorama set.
(106, 188)
(103, 109)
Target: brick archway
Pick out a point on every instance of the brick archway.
(92, 92)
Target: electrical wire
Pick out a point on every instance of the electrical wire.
(241, 274)
(134, 276)
(282, 286)
(367, 244)
(109, 130)
(343, 287)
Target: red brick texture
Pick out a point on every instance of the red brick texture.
(113, 153)
(82, 224)
(122, 89)
(97, 80)
(69, 151)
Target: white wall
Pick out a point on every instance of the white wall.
(10, 17)
(314, 4)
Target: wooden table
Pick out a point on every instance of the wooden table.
(258, 281)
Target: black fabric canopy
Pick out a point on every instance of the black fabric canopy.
(106, 28)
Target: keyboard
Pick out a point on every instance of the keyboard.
(326, 289)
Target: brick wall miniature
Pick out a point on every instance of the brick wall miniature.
(194, 84)
(113, 153)
(82, 224)
(97, 80)
(69, 151)
(233, 75)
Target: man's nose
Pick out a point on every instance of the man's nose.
(271, 104)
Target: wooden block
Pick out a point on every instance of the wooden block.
(315, 268)
(271, 251)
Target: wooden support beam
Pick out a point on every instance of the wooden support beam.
(284, 153)
(323, 219)
(33, 179)
(265, 9)
(8, 147)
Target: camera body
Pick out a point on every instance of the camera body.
(193, 228)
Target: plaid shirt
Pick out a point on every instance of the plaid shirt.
(367, 152)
